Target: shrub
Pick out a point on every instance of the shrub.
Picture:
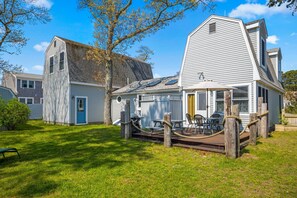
(13, 114)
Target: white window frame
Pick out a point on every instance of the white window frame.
(41, 101)
(60, 60)
(27, 84)
(26, 99)
(50, 64)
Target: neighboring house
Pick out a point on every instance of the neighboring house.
(149, 99)
(28, 88)
(234, 53)
(6, 93)
(74, 86)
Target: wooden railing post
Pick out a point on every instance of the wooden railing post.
(227, 103)
(260, 102)
(253, 129)
(167, 130)
(232, 139)
(128, 133)
(264, 123)
(122, 124)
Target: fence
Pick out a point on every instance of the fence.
(290, 119)
(36, 111)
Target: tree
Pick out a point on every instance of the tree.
(291, 4)
(14, 14)
(118, 24)
(290, 80)
(144, 54)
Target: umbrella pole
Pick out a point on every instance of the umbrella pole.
(206, 103)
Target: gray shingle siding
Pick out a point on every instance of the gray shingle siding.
(36, 93)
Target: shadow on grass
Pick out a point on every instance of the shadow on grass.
(69, 148)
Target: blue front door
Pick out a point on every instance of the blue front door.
(81, 112)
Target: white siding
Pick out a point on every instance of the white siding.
(221, 56)
(254, 36)
(56, 87)
(116, 107)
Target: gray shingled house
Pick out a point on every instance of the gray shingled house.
(234, 53)
(28, 88)
(6, 93)
(149, 99)
(74, 86)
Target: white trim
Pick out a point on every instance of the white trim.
(41, 99)
(272, 53)
(85, 97)
(258, 45)
(255, 96)
(26, 99)
(60, 58)
(253, 25)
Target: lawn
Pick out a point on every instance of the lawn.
(93, 161)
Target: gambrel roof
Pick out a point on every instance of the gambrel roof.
(88, 71)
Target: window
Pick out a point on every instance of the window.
(51, 64)
(80, 105)
(220, 101)
(31, 84)
(240, 96)
(55, 43)
(24, 84)
(201, 101)
(61, 64)
(262, 92)
(263, 52)
(41, 100)
(22, 100)
(139, 101)
(26, 100)
(212, 28)
(119, 99)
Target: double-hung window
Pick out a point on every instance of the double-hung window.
(61, 63)
(28, 84)
(26, 100)
(51, 67)
(240, 96)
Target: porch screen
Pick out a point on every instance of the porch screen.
(240, 96)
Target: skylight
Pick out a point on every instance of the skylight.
(153, 83)
(171, 82)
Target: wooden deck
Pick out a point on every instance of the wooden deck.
(212, 144)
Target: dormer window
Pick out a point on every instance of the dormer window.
(263, 53)
(212, 28)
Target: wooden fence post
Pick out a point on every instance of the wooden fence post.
(227, 103)
(232, 139)
(264, 127)
(253, 129)
(122, 124)
(167, 130)
(260, 102)
(128, 133)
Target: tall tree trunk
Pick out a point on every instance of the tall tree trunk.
(108, 91)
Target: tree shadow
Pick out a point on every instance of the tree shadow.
(73, 147)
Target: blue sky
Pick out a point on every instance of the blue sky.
(168, 44)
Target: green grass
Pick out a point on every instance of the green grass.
(93, 161)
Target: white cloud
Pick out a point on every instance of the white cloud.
(293, 34)
(272, 39)
(157, 76)
(254, 10)
(41, 47)
(38, 67)
(41, 3)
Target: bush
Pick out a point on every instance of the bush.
(13, 113)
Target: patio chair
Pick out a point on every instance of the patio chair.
(191, 124)
(199, 121)
(216, 122)
(6, 150)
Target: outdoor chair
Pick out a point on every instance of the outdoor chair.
(199, 121)
(216, 122)
(191, 124)
(6, 150)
